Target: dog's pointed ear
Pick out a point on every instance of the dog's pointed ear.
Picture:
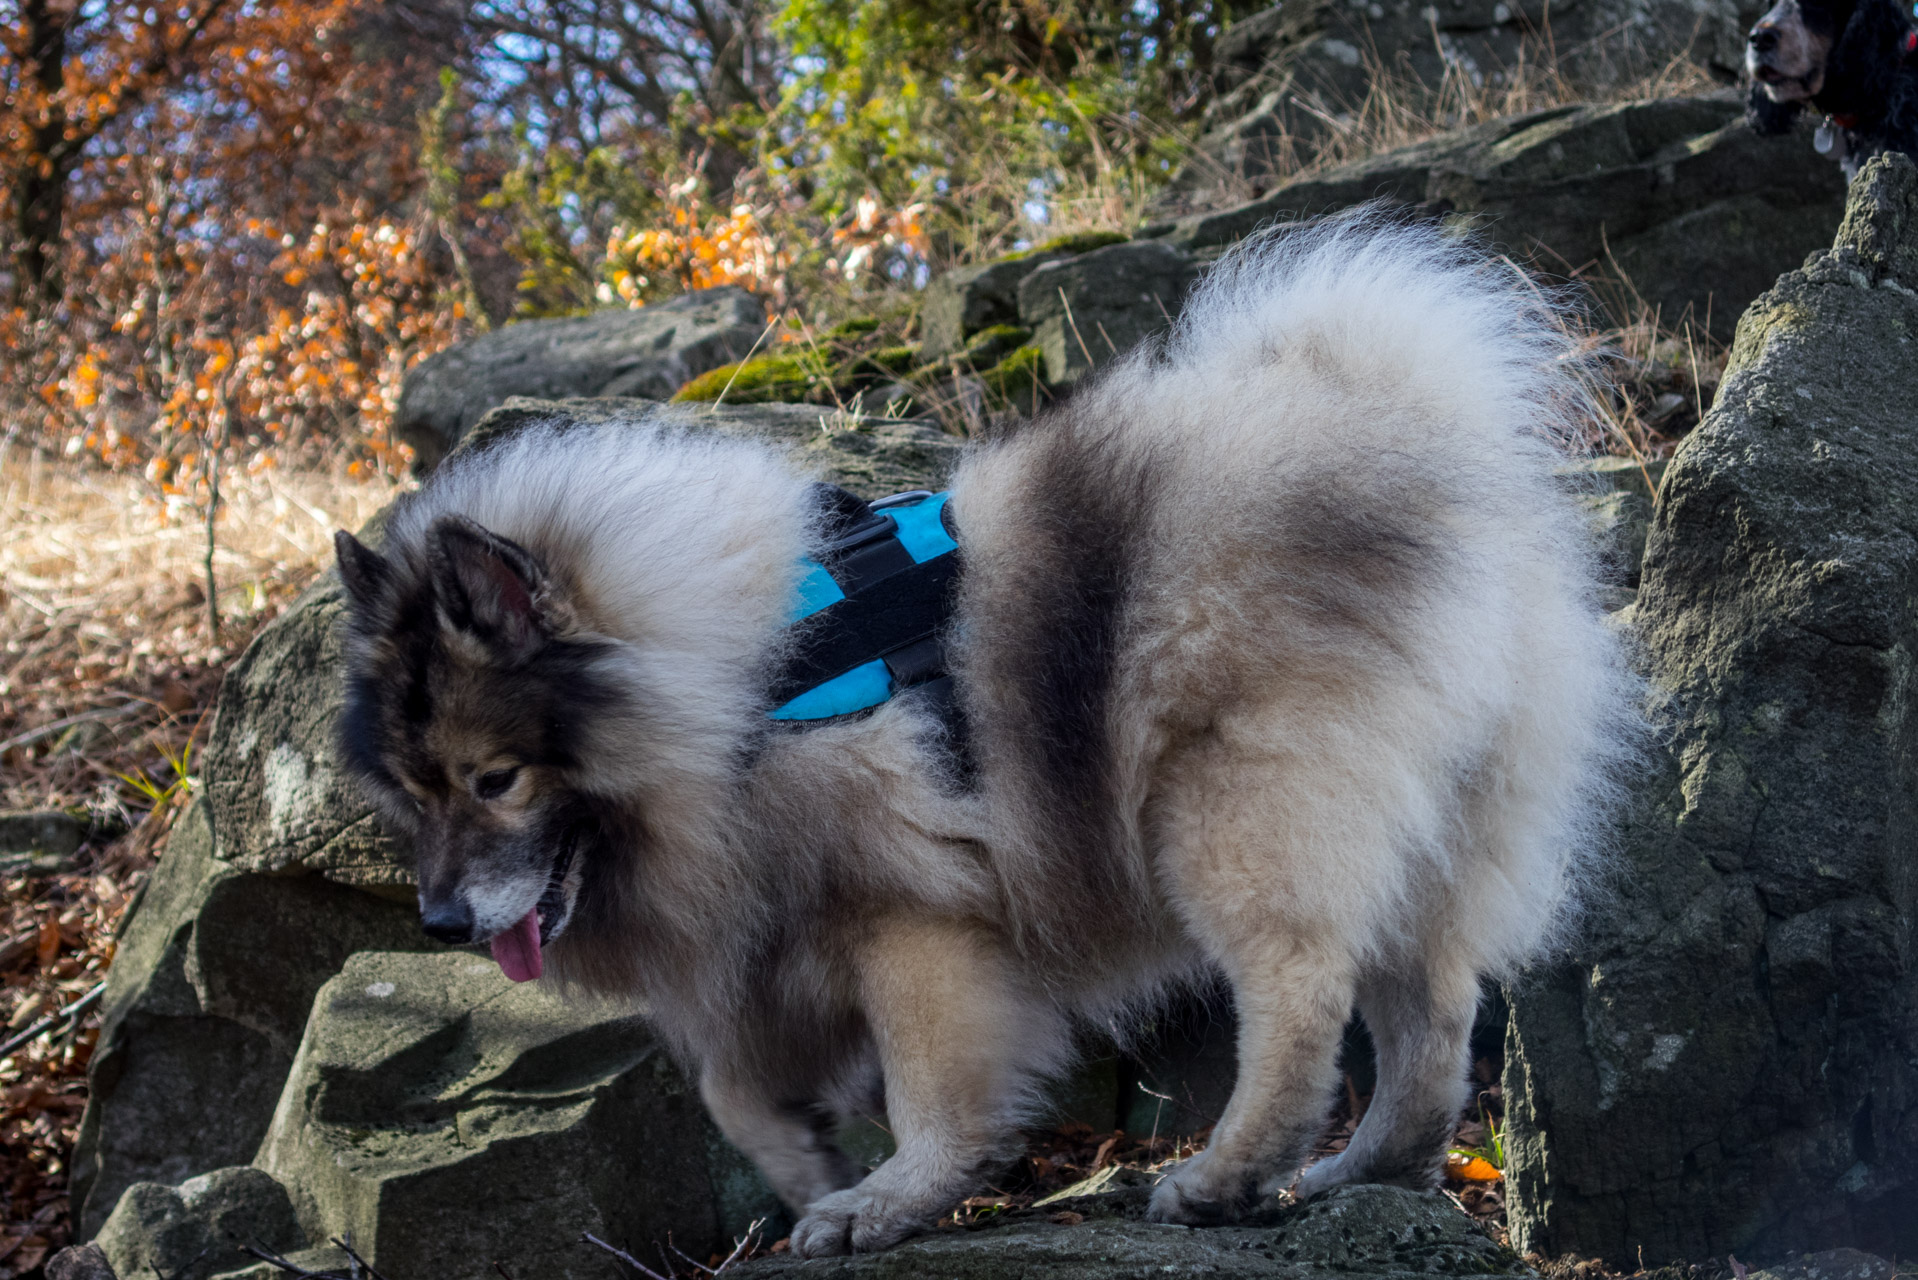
(493, 589)
(1767, 118)
(362, 569)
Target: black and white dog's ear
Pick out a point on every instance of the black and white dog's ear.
(1768, 119)
(493, 589)
(363, 569)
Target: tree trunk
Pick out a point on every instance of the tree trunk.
(40, 187)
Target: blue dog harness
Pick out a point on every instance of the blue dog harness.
(873, 608)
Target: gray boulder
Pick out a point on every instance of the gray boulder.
(279, 872)
(197, 1228)
(209, 990)
(967, 300)
(43, 841)
(1370, 1231)
(1677, 196)
(1727, 1063)
(1618, 495)
(650, 352)
(443, 1119)
(1085, 311)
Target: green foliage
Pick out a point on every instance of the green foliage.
(181, 763)
(894, 360)
(562, 207)
(968, 100)
(1493, 1151)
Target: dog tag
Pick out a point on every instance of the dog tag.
(1826, 139)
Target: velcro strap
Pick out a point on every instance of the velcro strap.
(850, 632)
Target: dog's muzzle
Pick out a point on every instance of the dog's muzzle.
(552, 906)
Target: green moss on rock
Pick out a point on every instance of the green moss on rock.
(893, 359)
(1018, 381)
(1079, 242)
(857, 327)
(988, 347)
(760, 380)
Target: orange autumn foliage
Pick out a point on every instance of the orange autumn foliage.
(217, 244)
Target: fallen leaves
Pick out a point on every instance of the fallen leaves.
(1460, 1167)
(59, 942)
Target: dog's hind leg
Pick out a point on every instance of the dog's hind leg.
(1421, 1027)
(1293, 997)
(960, 1046)
(792, 1144)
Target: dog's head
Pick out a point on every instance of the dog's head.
(468, 682)
(1787, 54)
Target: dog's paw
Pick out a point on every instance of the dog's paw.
(1198, 1193)
(851, 1221)
(1333, 1171)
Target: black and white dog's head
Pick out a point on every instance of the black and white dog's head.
(1850, 60)
(1786, 54)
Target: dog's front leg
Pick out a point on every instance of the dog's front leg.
(959, 1044)
(792, 1143)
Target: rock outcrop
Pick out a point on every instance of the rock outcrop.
(968, 299)
(1730, 1063)
(279, 872)
(650, 353)
(428, 1086)
(1677, 196)
(1283, 76)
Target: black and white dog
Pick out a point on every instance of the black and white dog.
(1854, 61)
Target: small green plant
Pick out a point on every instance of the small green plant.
(1492, 1151)
(181, 763)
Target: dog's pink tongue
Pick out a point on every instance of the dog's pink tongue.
(517, 950)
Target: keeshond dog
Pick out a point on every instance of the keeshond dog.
(1278, 658)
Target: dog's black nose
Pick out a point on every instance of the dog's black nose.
(449, 922)
(1763, 39)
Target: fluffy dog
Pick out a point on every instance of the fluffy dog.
(1852, 60)
(1282, 660)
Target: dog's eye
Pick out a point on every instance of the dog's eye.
(493, 785)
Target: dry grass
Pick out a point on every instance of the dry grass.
(1654, 377)
(103, 610)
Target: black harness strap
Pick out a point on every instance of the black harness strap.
(896, 610)
(903, 610)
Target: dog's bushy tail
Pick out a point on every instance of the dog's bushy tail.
(1393, 303)
(1372, 412)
